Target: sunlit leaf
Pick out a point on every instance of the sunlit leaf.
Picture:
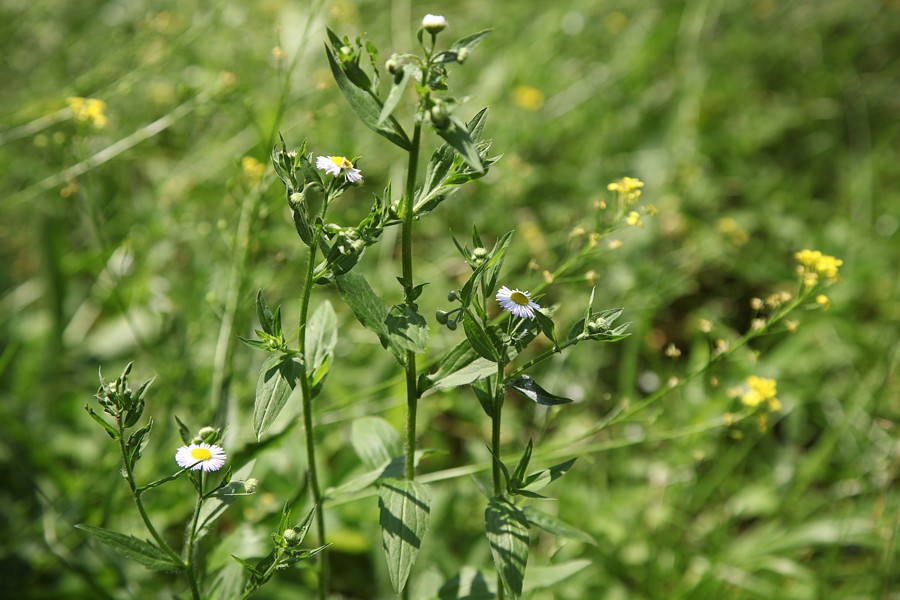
(405, 508)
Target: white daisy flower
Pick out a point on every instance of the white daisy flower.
(335, 165)
(208, 457)
(517, 302)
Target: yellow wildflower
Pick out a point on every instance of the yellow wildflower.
(253, 169)
(628, 188)
(88, 109)
(759, 390)
(813, 261)
(528, 97)
(823, 301)
(634, 219)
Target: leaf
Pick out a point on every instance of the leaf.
(470, 42)
(519, 474)
(507, 531)
(141, 551)
(553, 525)
(366, 106)
(375, 441)
(457, 135)
(136, 442)
(541, 479)
(607, 334)
(183, 431)
(264, 314)
(368, 308)
(405, 508)
(540, 578)
(546, 326)
(407, 328)
(479, 338)
(321, 336)
(530, 389)
(461, 365)
(470, 584)
(277, 380)
(110, 430)
(396, 93)
(224, 497)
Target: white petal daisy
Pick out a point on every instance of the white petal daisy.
(335, 165)
(208, 457)
(517, 302)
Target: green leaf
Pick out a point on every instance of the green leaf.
(457, 135)
(183, 431)
(140, 551)
(507, 532)
(405, 508)
(366, 106)
(224, 497)
(553, 525)
(531, 390)
(470, 42)
(541, 479)
(522, 466)
(407, 328)
(461, 365)
(264, 314)
(321, 336)
(540, 578)
(136, 442)
(396, 93)
(277, 380)
(369, 311)
(480, 339)
(579, 329)
(375, 441)
(470, 584)
(546, 326)
(110, 430)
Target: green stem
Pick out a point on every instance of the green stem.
(129, 477)
(312, 473)
(499, 391)
(192, 534)
(412, 392)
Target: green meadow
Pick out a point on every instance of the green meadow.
(140, 215)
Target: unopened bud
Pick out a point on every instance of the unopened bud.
(250, 486)
(207, 432)
(392, 65)
(291, 537)
(461, 55)
(452, 296)
(434, 23)
(440, 115)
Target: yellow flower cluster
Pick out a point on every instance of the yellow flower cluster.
(629, 188)
(759, 390)
(88, 109)
(253, 169)
(814, 264)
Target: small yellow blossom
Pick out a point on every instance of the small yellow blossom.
(527, 97)
(634, 219)
(705, 325)
(277, 53)
(791, 325)
(253, 169)
(774, 404)
(599, 204)
(762, 422)
(823, 301)
(672, 351)
(757, 324)
(88, 109)
(759, 390)
(652, 211)
(70, 189)
(756, 303)
(613, 244)
(548, 276)
(813, 261)
(591, 277)
(628, 188)
(593, 239)
(721, 346)
(577, 232)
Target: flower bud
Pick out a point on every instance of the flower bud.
(434, 23)
(461, 55)
(208, 434)
(441, 317)
(452, 295)
(392, 65)
(440, 115)
(250, 486)
(296, 198)
(291, 537)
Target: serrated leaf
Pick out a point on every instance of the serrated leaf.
(375, 441)
(366, 106)
(405, 509)
(368, 309)
(110, 430)
(478, 337)
(507, 531)
(469, 584)
(407, 328)
(527, 386)
(140, 551)
(457, 135)
(461, 365)
(277, 380)
(554, 525)
(396, 93)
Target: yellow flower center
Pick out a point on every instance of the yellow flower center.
(341, 161)
(201, 454)
(519, 298)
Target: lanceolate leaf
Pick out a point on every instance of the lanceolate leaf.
(470, 584)
(321, 337)
(277, 380)
(368, 308)
(396, 92)
(367, 107)
(141, 551)
(457, 135)
(555, 526)
(405, 508)
(375, 441)
(407, 328)
(507, 532)
(461, 365)
(481, 341)
(530, 389)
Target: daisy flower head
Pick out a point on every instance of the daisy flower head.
(207, 457)
(335, 165)
(517, 302)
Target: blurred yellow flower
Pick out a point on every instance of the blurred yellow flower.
(527, 97)
(253, 169)
(823, 301)
(634, 219)
(813, 262)
(88, 109)
(759, 390)
(626, 185)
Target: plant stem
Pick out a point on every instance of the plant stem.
(129, 477)
(499, 391)
(192, 533)
(312, 473)
(412, 392)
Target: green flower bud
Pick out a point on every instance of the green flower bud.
(392, 65)
(441, 317)
(291, 537)
(208, 434)
(250, 487)
(434, 23)
(461, 55)
(439, 115)
(452, 296)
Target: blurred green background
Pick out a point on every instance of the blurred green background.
(760, 128)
